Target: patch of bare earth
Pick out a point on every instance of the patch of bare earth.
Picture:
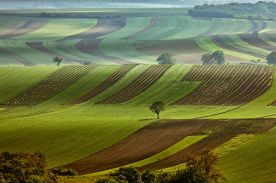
(160, 135)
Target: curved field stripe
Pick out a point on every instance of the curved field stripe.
(209, 45)
(51, 86)
(221, 132)
(27, 27)
(130, 77)
(142, 144)
(19, 79)
(138, 86)
(115, 45)
(155, 138)
(184, 143)
(91, 80)
(188, 27)
(40, 47)
(256, 41)
(12, 58)
(221, 43)
(168, 88)
(68, 49)
(112, 79)
(90, 42)
(234, 40)
(56, 29)
(151, 24)
(227, 85)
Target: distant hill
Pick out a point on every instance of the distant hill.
(31, 4)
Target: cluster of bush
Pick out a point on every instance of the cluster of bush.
(201, 169)
(28, 168)
(216, 57)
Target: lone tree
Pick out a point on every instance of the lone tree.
(271, 58)
(157, 107)
(216, 57)
(58, 60)
(165, 58)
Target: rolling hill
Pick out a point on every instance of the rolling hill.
(75, 134)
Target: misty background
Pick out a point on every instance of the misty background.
(54, 4)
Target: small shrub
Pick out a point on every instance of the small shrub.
(64, 171)
(127, 174)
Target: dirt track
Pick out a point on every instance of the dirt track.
(158, 136)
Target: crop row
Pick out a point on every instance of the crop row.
(51, 86)
(228, 84)
(145, 80)
(112, 79)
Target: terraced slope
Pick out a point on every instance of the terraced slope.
(145, 80)
(108, 82)
(159, 136)
(51, 86)
(228, 84)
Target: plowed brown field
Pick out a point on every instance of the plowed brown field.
(160, 135)
(227, 84)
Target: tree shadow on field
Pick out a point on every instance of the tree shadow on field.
(149, 119)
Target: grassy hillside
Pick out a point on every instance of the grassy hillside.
(139, 38)
(65, 133)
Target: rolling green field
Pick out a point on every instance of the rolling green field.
(132, 38)
(66, 132)
(97, 101)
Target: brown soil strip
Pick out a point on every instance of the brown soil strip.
(144, 143)
(15, 57)
(26, 28)
(160, 135)
(223, 130)
(144, 81)
(40, 47)
(112, 79)
(151, 24)
(51, 86)
(90, 39)
(219, 42)
(255, 41)
(228, 84)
